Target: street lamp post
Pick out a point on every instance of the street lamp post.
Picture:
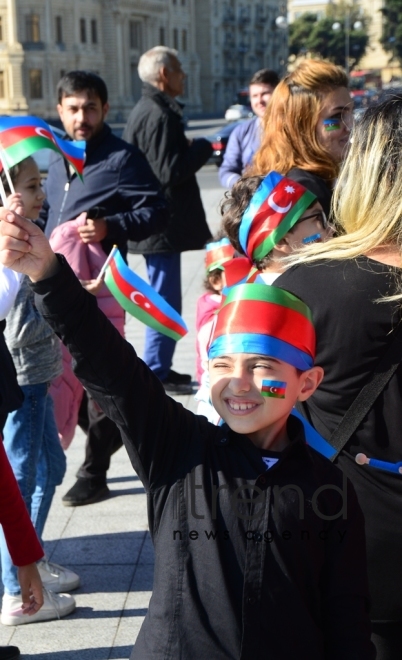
(357, 25)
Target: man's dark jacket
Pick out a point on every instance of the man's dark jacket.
(155, 126)
(118, 179)
(249, 564)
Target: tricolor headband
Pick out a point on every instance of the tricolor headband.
(276, 206)
(217, 253)
(257, 318)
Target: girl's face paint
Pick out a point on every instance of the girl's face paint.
(332, 124)
(335, 122)
(273, 388)
(311, 239)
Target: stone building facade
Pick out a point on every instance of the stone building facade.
(221, 43)
(235, 38)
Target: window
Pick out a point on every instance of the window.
(183, 2)
(162, 37)
(1, 28)
(35, 83)
(176, 38)
(2, 85)
(184, 41)
(94, 31)
(59, 30)
(83, 30)
(135, 35)
(62, 73)
(33, 28)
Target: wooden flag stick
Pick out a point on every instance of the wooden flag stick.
(6, 170)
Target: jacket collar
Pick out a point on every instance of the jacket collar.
(295, 428)
(94, 143)
(160, 97)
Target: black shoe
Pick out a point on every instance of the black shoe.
(9, 653)
(85, 491)
(178, 379)
(177, 388)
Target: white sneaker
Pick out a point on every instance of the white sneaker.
(57, 578)
(54, 607)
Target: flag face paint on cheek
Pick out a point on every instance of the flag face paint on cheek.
(311, 239)
(273, 388)
(332, 124)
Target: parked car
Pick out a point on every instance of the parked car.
(219, 142)
(237, 111)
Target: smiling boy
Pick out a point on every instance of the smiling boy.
(259, 542)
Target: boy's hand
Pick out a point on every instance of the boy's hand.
(31, 588)
(92, 286)
(24, 247)
(93, 231)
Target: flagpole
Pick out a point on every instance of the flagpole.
(3, 193)
(6, 170)
(107, 262)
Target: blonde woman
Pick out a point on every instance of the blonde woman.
(353, 286)
(306, 128)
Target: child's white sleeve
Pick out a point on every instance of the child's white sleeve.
(10, 283)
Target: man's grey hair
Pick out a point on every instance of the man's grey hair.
(153, 60)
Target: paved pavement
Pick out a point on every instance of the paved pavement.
(108, 543)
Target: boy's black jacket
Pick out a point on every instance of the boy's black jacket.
(284, 585)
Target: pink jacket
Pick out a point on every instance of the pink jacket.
(86, 260)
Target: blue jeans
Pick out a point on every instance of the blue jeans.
(164, 275)
(33, 448)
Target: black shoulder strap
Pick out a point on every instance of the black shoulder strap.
(381, 375)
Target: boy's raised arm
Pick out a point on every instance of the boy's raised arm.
(155, 429)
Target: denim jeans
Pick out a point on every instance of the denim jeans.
(164, 274)
(33, 448)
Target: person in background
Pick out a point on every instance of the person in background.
(218, 253)
(306, 128)
(30, 435)
(155, 126)
(352, 285)
(262, 233)
(245, 139)
(122, 200)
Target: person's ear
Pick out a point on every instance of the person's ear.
(284, 245)
(309, 382)
(60, 111)
(164, 74)
(106, 109)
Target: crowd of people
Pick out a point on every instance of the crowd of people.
(298, 363)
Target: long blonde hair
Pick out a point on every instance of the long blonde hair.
(289, 138)
(367, 200)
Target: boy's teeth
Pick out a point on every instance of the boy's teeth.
(241, 406)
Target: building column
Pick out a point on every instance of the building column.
(16, 99)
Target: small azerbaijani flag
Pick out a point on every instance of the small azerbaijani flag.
(20, 137)
(140, 300)
(274, 209)
(273, 388)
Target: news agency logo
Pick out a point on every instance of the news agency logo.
(248, 501)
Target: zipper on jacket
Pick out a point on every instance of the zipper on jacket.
(66, 189)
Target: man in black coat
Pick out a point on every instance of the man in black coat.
(123, 201)
(155, 126)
